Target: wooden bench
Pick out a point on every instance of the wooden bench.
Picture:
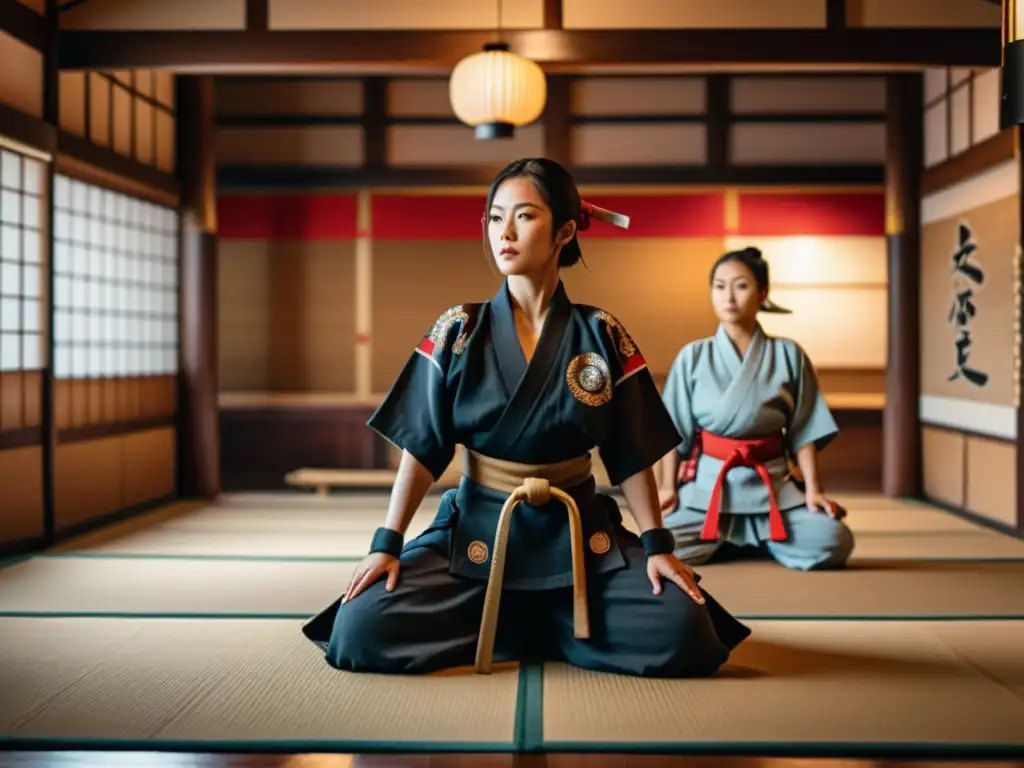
(322, 480)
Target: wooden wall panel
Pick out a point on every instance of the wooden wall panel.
(922, 13)
(155, 15)
(267, 96)
(666, 14)
(639, 144)
(793, 95)
(443, 145)
(991, 482)
(419, 97)
(287, 315)
(21, 478)
(21, 76)
(129, 112)
(943, 460)
(405, 14)
(72, 108)
(806, 144)
(149, 459)
(638, 96)
(302, 145)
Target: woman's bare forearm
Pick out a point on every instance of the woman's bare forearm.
(412, 482)
(669, 470)
(807, 460)
(641, 494)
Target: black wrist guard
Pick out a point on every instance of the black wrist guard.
(387, 541)
(658, 541)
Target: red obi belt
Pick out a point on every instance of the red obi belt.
(742, 453)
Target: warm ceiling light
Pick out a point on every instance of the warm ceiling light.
(1011, 108)
(496, 91)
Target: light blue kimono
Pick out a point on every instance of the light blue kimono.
(772, 390)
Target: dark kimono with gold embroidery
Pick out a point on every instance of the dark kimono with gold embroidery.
(468, 382)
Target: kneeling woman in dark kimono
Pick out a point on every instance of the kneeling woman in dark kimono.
(528, 383)
(748, 407)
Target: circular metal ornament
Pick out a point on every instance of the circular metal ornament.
(600, 543)
(589, 379)
(477, 552)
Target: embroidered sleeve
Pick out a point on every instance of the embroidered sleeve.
(641, 430)
(416, 415)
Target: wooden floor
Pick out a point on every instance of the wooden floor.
(176, 760)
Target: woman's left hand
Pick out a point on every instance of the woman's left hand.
(817, 501)
(675, 570)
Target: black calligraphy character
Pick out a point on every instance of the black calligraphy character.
(966, 247)
(963, 307)
(963, 352)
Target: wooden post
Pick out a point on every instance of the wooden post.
(901, 429)
(198, 414)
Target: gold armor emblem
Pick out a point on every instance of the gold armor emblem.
(620, 338)
(589, 379)
(478, 552)
(456, 314)
(600, 543)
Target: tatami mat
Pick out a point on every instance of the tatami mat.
(256, 684)
(191, 586)
(831, 683)
(298, 525)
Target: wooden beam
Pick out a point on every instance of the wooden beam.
(553, 14)
(992, 151)
(112, 162)
(901, 429)
(305, 177)
(257, 15)
(204, 51)
(23, 23)
(835, 14)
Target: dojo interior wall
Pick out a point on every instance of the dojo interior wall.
(972, 179)
(349, 218)
(21, 464)
(111, 148)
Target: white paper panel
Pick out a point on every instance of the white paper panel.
(985, 108)
(821, 324)
(812, 260)
(960, 120)
(936, 134)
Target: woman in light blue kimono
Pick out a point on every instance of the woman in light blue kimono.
(745, 404)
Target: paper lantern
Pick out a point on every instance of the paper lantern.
(1011, 108)
(496, 91)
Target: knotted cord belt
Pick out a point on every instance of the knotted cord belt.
(535, 484)
(742, 453)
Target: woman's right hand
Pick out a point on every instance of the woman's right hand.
(371, 568)
(668, 500)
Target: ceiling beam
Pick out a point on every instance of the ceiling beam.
(206, 51)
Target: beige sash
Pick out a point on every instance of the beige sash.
(536, 484)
